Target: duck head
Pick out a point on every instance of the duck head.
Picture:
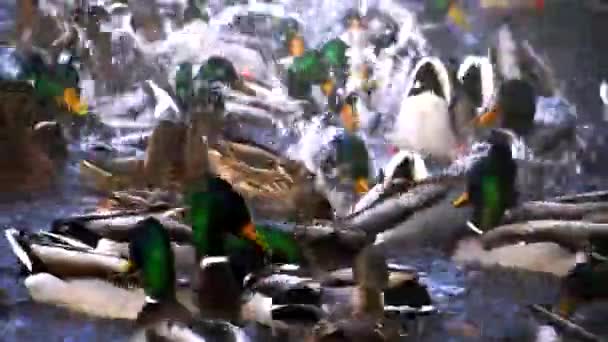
(584, 283)
(150, 253)
(352, 161)
(333, 53)
(56, 81)
(514, 110)
(216, 210)
(219, 69)
(491, 186)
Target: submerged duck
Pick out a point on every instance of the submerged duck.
(489, 189)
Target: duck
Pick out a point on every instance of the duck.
(306, 70)
(58, 261)
(369, 317)
(274, 186)
(584, 283)
(92, 278)
(35, 144)
(220, 69)
(473, 202)
(525, 83)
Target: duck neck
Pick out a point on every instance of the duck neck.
(368, 301)
(219, 293)
(489, 211)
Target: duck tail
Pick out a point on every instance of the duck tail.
(20, 247)
(76, 228)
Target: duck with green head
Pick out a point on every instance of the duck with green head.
(514, 109)
(305, 71)
(352, 156)
(586, 282)
(476, 201)
(220, 69)
(150, 257)
(229, 247)
(334, 56)
(57, 83)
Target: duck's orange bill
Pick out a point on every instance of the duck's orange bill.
(327, 87)
(566, 306)
(296, 46)
(349, 118)
(361, 185)
(249, 232)
(462, 200)
(72, 102)
(488, 119)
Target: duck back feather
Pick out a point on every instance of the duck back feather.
(439, 226)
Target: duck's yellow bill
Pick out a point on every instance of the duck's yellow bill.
(361, 185)
(488, 119)
(327, 87)
(462, 200)
(349, 118)
(566, 306)
(250, 233)
(128, 267)
(458, 17)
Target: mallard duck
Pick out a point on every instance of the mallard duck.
(87, 283)
(525, 79)
(515, 108)
(368, 319)
(489, 189)
(584, 283)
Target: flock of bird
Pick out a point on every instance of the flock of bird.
(185, 273)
